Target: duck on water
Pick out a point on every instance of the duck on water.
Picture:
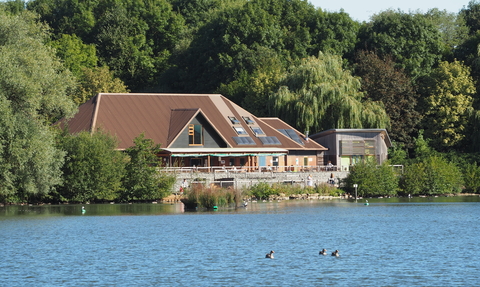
(270, 255)
(323, 252)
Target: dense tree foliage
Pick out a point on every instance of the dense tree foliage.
(449, 103)
(452, 27)
(97, 80)
(412, 40)
(382, 81)
(33, 89)
(75, 54)
(93, 169)
(372, 180)
(134, 38)
(142, 180)
(432, 175)
(471, 15)
(241, 37)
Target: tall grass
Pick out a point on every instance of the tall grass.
(200, 196)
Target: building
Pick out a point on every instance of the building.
(349, 146)
(203, 131)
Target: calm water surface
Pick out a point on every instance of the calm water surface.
(391, 242)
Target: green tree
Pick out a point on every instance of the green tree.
(383, 82)
(66, 16)
(33, 92)
(142, 180)
(471, 177)
(93, 169)
(452, 27)
(97, 80)
(240, 38)
(13, 6)
(31, 77)
(134, 38)
(75, 54)
(432, 175)
(319, 94)
(422, 149)
(372, 179)
(252, 89)
(29, 162)
(335, 33)
(471, 15)
(412, 40)
(448, 105)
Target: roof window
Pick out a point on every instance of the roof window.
(234, 120)
(257, 131)
(248, 121)
(240, 130)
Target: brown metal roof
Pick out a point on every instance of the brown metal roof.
(162, 117)
(277, 124)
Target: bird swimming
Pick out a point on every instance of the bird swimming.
(270, 255)
(323, 252)
(336, 253)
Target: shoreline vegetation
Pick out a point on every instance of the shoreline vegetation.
(222, 198)
(213, 198)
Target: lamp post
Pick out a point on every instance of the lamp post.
(355, 186)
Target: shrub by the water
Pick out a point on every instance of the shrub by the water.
(261, 190)
(264, 190)
(372, 180)
(432, 176)
(471, 177)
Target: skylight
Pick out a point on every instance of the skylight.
(234, 120)
(291, 134)
(270, 140)
(244, 140)
(248, 121)
(240, 131)
(257, 130)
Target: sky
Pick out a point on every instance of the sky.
(362, 10)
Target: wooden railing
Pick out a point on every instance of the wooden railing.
(264, 169)
(256, 169)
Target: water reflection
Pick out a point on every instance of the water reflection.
(178, 208)
(388, 243)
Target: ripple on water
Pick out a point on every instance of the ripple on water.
(382, 244)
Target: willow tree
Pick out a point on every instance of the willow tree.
(319, 94)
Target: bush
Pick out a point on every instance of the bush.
(372, 180)
(142, 180)
(93, 169)
(471, 177)
(261, 190)
(432, 176)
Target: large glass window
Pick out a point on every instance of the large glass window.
(369, 147)
(195, 134)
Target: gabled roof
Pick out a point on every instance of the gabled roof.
(162, 117)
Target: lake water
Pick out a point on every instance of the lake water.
(391, 242)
